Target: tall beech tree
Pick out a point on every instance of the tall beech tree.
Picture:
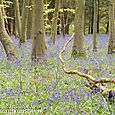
(54, 21)
(4, 37)
(98, 16)
(38, 45)
(17, 18)
(29, 33)
(111, 44)
(24, 20)
(95, 25)
(79, 29)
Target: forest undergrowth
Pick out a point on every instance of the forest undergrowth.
(46, 90)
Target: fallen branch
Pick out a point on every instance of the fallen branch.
(93, 82)
(103, 80)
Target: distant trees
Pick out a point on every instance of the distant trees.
(28, 16)
(54, 21)
(66, 18)
(102, 16)
(21, 21)
(89, 16)
(24, 18)
(78, 45)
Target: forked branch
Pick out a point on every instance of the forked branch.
(87, 76)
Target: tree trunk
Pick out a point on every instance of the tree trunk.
(29, 32)
(24, 20)
(107, 28)
(79, 29)
(58, 25)
(64, 21)
(92, 16)
(17, 18)
(20, 6)
(38, 45)
(111, 44)
(50, 14)
(54, 21)
(5, 38)
(95, 25)
(98, 16)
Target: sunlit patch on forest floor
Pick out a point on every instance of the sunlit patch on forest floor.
(46, 89)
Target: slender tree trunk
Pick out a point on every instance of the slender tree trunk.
(107, 28)
(46, 18)
(54, 21)
(29, 32)
(111, 44)
(64, 21)
(67, 28)
(98, 16)
(92, 17)
(50, 14)
(79, 29)
(114, 31)
(95, 25)
(17, 18)
(24, 20)
(38, 45)
(58, 25)
(9, 21)
(5, 38)
(21, 6)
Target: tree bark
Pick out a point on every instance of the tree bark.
(92, 15)
(98, 16)
(17, 18)
(5, 38)
(38, 45)
(64, 21)
(111, 44)
(30, 22)
(107, 28)
(24, 20)
(95, 25)
(54, 21)
(78, 45)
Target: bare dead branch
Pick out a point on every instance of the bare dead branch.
(88, 77)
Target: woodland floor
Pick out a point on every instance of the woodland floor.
(46, 89)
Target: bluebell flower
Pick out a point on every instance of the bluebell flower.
(89, 94)
(32, 103)
(37, 102)
(66, 96)
(77, 99)
(50, 101)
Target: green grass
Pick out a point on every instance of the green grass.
(54, 93)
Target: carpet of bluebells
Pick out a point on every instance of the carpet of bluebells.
(46, 89)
